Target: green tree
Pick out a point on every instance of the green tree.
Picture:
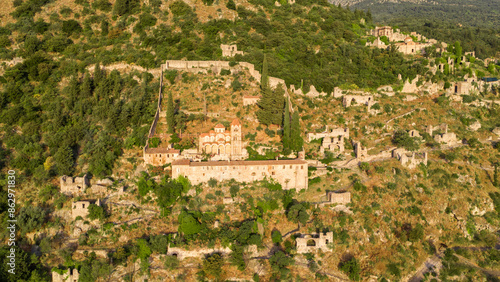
(234, 189)
(212, 266)
(496, 180)
(96, 212)
(170, 113)
(351, 267)
(87, 87)
(276, 236)
(296, 139)
(231, 5)
(121, 7)
(188, 223)
(458, 51)
(286, 129)
(171, 262)
(31, 218)
(264, 79)
(402, 138)
(279, 262)
(64, 160)
(298, 213)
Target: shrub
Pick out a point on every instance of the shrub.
(225, 72)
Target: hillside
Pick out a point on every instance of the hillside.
(481, 13)
(339, 161)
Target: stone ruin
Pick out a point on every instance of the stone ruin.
(333, 140)
(310, 243)
(448, 138)
(79, 185)
(81, 208)
(332, 144)
(360, 151)
(329, 133)
(230, 50)
(409, 159)
(341, 197)
(73, 185)
(414, 133)
(250, 100)
(475, 126)
(199, 253)
(69, 275)
(496, 131)
(442, 127)
(358, 99)
(410, 87)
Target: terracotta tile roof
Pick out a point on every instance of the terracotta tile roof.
(219, 126)
(244, 163)
(236, 122)
(162, 151)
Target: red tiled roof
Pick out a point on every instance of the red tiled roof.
(244, 163)
(162, 151)
(219, 126)
(236, 122)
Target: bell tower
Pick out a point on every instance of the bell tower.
(236, 149)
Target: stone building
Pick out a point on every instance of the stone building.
(222, 143)
(348, 100)
(338, 197)
(332, 144)
(160, 156)
(250, 100)
(310, 243)
(409, 47)
(359, 150)
(69, 275)
(230, 50)
(414, 133)
(336, 132)
(73, 185)
(409, 159)
(377, 43)
(81, 208)
(382, 31)
(291, 174)
(448, 138)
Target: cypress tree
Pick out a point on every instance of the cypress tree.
(264, 79)
(496, 180)
(121, 7)
(286, 129)
(296, 139)
(170, 113)
(271, 104)
(86, 86)
(98, 74)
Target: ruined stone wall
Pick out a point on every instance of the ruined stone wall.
(81, 208)
(73, 185)
(329, 133)
(449, 138)
(348, 99)
(319, 242)
(69, 275)
(200, 253)
(289, 175)
(339, 198)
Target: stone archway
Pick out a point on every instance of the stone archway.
(311, 243)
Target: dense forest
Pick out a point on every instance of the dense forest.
(473, 13)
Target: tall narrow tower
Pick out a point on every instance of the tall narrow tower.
(236, 150)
